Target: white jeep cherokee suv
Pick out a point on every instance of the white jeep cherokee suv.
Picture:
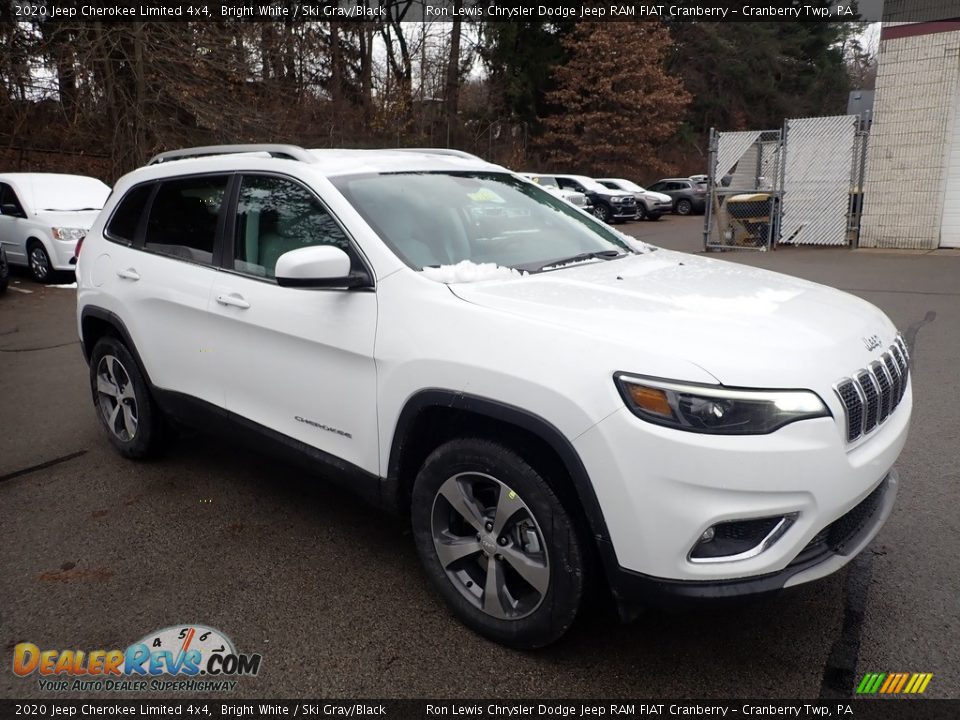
(553, 404)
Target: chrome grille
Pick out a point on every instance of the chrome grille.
(874, 392)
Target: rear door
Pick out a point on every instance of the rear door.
(298, 361)
(164, 277)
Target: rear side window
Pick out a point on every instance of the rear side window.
(126, 218)
(183, 217)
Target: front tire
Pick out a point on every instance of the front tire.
(124, 406)
(39, 262)
(602, 212)
(497, 544)
(684, 207)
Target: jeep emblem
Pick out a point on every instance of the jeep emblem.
(872, 342)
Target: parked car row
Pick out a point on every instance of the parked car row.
(619, 199)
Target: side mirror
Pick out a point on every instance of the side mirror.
(320, 266)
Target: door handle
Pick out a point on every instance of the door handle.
(234, 300)
(128, 274)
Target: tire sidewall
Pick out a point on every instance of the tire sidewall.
(34, 245)
(559, 606)
(149, 423)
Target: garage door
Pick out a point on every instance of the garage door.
(950, 225)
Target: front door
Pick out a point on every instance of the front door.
(298, 361)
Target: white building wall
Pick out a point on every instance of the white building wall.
(918, 80)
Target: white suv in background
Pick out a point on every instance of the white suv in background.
(43, 215)
(553, 404)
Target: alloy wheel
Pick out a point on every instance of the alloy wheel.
(490, 545)
(601, 212)
(116, 398)
(39, 263)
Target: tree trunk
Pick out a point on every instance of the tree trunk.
(453, 69)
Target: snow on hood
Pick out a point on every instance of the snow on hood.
(466, 271)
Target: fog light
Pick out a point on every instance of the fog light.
(739, 539)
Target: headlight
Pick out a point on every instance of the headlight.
(68, 233)
(616, 200)
(716, 409)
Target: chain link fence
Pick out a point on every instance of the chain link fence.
(798, 185)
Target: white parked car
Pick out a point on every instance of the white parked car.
(549, 183)
(551, 403)
(42, 215)
(650, 205)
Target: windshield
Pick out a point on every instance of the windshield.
(432, 219)
(68, 192)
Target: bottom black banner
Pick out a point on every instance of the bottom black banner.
(484, 709)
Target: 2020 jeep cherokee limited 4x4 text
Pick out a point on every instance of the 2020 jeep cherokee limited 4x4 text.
(553, 404)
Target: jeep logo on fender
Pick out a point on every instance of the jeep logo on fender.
(872, 342)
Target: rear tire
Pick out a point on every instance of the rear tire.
(134, 424)
(512, 567)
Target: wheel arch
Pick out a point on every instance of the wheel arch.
(431, 417)
(97, 322)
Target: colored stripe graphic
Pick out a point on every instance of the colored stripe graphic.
(894, 683)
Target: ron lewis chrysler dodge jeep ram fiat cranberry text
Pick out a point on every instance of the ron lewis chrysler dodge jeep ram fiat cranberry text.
(552, 403)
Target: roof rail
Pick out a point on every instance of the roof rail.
(441, 151)
(290, 152)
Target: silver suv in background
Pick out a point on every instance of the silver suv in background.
(650, 205)
(688, 195)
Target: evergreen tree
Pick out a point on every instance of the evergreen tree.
(614, 103)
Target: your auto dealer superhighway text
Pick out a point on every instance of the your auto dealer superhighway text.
(561, 710)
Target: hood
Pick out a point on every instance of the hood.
(746, 327)
(657, 197)
(72, 219)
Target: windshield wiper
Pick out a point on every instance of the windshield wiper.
(598, 255)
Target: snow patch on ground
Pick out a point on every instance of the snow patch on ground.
(467, 271)
(71, 285)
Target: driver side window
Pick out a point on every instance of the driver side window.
(9, 203)
(274, 216)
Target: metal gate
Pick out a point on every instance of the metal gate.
(799, 185)
(745, 180)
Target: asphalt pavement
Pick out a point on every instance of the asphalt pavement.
(97, 551)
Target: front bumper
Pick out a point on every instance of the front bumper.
(660, 489)
(63, 254)
(836, 545)
(623, 212)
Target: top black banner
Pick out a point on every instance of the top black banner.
(478, 10)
